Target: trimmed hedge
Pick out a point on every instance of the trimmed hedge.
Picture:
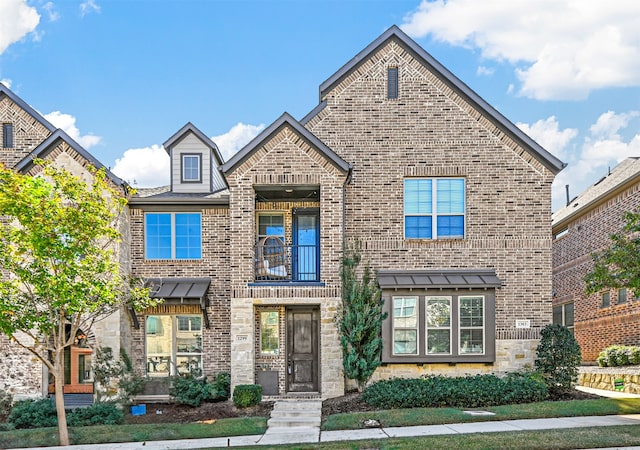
(460, 392)
(619, 355)
(247, 395)
(42, 414)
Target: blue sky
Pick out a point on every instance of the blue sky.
(122, 76)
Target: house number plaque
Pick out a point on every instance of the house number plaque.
(523, 323)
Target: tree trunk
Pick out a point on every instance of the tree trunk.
(58, 377)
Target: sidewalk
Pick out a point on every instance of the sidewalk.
(314, 435)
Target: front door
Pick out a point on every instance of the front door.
(302, 349)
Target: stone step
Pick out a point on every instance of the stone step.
(291, 422)
(295, 413)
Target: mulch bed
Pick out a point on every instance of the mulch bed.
(174, 413)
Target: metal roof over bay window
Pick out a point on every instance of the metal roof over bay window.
(439, 279)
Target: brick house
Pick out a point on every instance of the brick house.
(26, 135)
(580, 229)
(450, 202)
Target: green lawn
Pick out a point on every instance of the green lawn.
(578, 438)
(434, 416)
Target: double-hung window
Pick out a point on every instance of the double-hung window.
(434, 208)
(191, 168)
(173, 236)
(471, 324)
(405, 325)
(438, 318)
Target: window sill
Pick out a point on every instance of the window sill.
(287, 283)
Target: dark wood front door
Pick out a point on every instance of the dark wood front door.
(302, 349)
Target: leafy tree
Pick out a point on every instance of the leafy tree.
(59, 268)
(360, 320)
(619, 265)
(558, 358)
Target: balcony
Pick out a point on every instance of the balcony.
(276, 262)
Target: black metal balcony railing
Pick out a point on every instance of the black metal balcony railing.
(275, 261)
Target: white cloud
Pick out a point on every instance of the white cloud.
(547, 133)
(144, 167)
(54, 15)
(67, 123)
(17, 19)
(89, 6)
(7, 82)
(237, 137)
(602, 150)
(564, 50)
(483, 70)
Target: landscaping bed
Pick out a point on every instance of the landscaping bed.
(174, 413)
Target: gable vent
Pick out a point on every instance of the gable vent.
(392, 82)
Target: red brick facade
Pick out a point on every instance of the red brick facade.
(585, 229)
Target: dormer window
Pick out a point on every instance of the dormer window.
(191, 168)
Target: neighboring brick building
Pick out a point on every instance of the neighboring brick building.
(450, 202)
(24, 136)
(580, 229)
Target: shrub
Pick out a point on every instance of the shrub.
(465, 392)
(619, 355)
(33, 414)
(189, 390)
(106, 413)
(6, 400)
(220, 389)
(247, 395)
(558, 358)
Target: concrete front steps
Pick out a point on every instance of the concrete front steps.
(294, 421)
(295, 413)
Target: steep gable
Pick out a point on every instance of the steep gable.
(393, 49)
(286, 128)
(27, 126)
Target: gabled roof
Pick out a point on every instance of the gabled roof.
(623, 175)
(163, 195)
(284, 120)
(189, 127)
(6, 92)
(536, 150)
(50, 143)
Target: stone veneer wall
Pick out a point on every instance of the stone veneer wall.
(20, 371)
(430, 131)
(605, 377)
(596, 327)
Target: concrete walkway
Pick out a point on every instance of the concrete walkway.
(303, 432)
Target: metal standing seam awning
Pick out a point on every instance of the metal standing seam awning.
(439, 279)
(187, 291)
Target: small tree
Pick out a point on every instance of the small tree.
(619, 265)
(558, 358)
(360, 320)
(60, 273)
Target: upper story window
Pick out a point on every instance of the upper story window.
(271, 224)
(434, 208)
(173, 236)
(392, 83)
(606, 299)
(7, 135)
(191, 168)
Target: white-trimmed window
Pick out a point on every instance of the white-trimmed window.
(173, 345)
(173, 236)
(191, 167)
(438, 326)
(405, 325)
(269, 333)
(434, 208)
(471, 320)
